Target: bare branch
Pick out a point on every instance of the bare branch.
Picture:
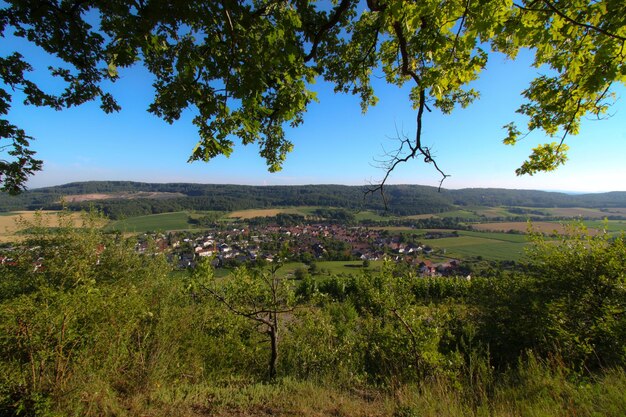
(254, 315)
(416, 150)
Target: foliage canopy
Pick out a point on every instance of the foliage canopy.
(247, 67)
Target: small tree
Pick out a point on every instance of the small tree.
(258, 295)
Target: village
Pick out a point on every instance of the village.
(230, 247)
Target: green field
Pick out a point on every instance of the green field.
(613, 226)
(503, 237)
(469, 246)
(463, 214)
(492, 246)
(373, 216)
(153, 222)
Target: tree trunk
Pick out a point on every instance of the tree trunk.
(273, 332)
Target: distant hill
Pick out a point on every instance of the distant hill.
(126, 198)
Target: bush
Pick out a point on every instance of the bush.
(570, 304)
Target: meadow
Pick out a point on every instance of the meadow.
(496, 246)
(155, 222)
(490, 246)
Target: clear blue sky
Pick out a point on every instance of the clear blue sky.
(336, 144)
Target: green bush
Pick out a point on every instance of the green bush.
(570, 304)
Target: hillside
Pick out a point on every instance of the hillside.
(126, 198)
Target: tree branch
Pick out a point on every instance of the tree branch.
(418, 357)
(458, 32)
(334, 19)
(416, 150)
(585, 25)
(569, 19)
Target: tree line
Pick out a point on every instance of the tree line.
(402, 199)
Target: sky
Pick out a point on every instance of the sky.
(336, 144)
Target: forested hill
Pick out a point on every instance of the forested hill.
(127, 198)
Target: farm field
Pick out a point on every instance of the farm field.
(578, 212)
(489, 211)
(522, 227)
(495, 246)
(10, 222)
(252, 213)
(616, 210)
(154, 222)
(503, 237)
(464, 214)
(613, 226)
(465, 246)
(370, 215)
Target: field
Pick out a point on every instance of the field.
(370, 215)
(521, 227)
(593, 227)
(489, 245)
(154, 222)
(75, 198)
(578, 212)
(489, 211)
(11, 223)
(464, 214)
(612, 226)
(492, 246)
(250, 214)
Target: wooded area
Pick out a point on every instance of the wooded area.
(402, 199)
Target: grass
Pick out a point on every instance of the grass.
(154, 222)
(537, 391)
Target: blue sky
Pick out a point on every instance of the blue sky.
(336, 144)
